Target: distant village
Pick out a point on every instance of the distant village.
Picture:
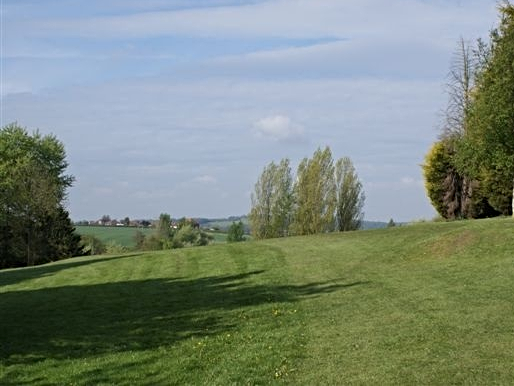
(210, 224)
(127, 222)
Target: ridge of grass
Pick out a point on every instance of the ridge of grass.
(430, 303)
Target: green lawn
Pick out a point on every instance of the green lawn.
(425, 304)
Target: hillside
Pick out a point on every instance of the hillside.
(430, 303)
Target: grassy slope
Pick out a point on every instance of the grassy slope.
(431, 304)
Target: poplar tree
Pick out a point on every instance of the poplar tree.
(350, 196)
(282, 199)
(272, 201)
(315, 194)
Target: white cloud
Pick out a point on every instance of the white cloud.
(409, 181)
(280, 18)
(205, 180)
(367, 81)
(279, 128)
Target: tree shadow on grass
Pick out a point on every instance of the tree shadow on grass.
(80, 321)
(13, 276)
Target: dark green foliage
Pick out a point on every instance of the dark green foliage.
(35, 226)
(236, 232)
(453, 195)
(487, 151)
(469, 173)
(58, 236)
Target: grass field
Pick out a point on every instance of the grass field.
(125, 235)
(425, 304)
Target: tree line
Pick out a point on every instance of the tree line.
(469, 171)
(323, 197)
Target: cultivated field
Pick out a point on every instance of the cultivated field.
(125, 235)
(426, 304)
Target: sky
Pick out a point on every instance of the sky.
(176, 106)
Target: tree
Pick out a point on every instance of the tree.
(453, 195)
(105, 220)
(236, 232)
(310, 204)
(272, 201)
(464, 67)
(33, 187)
(315, 194)
(453, 188)
(487, 150)
(57, 236)
(92, 245)
(139, 239)
(391, 223)
(442, 181)
(350, 196)
(460, 197)
(282, 200)
(164, 231)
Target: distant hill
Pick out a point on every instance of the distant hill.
(224, 223)
(373, 224)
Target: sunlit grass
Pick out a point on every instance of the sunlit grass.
(429, 303)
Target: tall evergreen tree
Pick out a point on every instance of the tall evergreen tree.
(487, 151)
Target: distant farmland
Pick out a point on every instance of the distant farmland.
(125, 235)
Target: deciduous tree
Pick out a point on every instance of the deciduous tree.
(350, 196)
(272, 201)
(33, 187)
(315, 194)
(236, 232)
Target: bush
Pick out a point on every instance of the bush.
(114, 248)
(236, 232)
(92, 245)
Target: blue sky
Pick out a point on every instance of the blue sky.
(176, 106)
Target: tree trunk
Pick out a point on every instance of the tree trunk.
(513, 201)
